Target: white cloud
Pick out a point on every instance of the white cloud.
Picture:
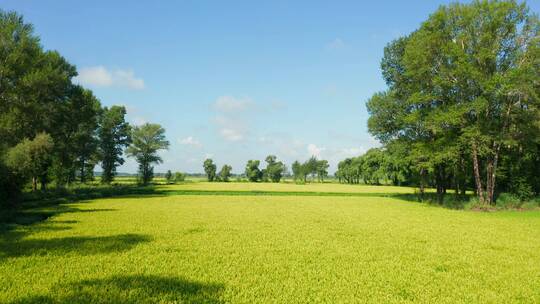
(230, 104)
(138, 120)
(231, 134)
(336, 44)
(313, 150)
(190, 141)
(350, 152)
(99, 76)
(231, 121)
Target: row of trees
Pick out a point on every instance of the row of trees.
(210, 168)
(312, 167)
(53, 130)
(462, 106)
(273, 172)
(375, 167)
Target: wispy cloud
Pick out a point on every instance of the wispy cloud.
(190, 141)
(231, 121)
(99, 76)
(231, 127)
(231, 104)
(314, 150)
(336, 44)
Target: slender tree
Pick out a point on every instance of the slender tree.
(147, 140)
(114, 135)
(210, 169)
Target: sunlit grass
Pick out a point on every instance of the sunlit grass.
(261, 249)
(290, 187)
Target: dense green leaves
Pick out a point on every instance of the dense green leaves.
(210, 169)
(253, 173)
(147, 140)
(225, 173)
(114, 135)
(464, 85)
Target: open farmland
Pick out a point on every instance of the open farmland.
(271, 248)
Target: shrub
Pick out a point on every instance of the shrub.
(521, 189)
(179, 177)
(508, 201)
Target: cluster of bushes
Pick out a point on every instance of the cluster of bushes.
(52, 130)
(177, 177)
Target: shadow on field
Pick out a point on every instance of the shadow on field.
(13, 244)
(131, 289)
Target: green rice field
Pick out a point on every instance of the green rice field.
(283, 248)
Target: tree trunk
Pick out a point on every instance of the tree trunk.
(492, 173)
(83, 177)
(422, 186)
(34, 183)
(477, 178)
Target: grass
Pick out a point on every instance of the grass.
(270, 248)
(290, 187)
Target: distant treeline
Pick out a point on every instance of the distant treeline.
(274, 172)
(53, 130)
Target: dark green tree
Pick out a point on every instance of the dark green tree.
(169, 177)
(210, 169)
(462, 85)
(274, 169)
(225, 173)
(114, 135)
(296, 168)
(253, 173)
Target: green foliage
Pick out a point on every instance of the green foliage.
(38, 96)
(463, 94)
(312, 167)
(147, 140)
(30, 158)
(274, 169)
(296, 168)
(253, 173)
(225, 173)
(179, 177)
(169, 177)
(114, 135)
(210, 169)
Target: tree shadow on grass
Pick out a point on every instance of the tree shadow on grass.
(131, 289)
(14, 245)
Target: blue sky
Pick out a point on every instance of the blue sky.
(233, 80)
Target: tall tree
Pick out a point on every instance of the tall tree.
(253, 173)
(114, 135)
(465, 83)
(225, 173)
(210, 169)
(296, 168)
(274, 168)
(147, 140)
(322, 169)
(169, 177)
